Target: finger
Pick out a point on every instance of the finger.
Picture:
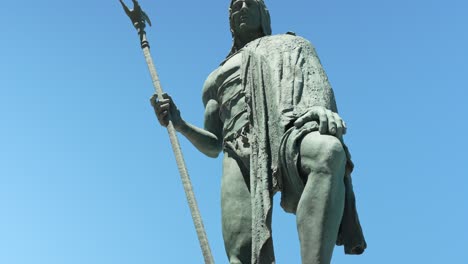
(163, 107)
(164, 101)
(299, 122)
(331, 122)
(163, 118)
(161, 102)
(345, 128)
(169, 98)
(166, 120)
(162, 114)
(323, 122)
(161, 111)
(153, 99)
(304, 119)
(339, 125)
(161, 121)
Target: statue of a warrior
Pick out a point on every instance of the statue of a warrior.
(270, 109)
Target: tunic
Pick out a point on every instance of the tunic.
(261, 91)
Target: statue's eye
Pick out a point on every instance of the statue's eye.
(237, 6)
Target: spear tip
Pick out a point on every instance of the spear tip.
(138, 17)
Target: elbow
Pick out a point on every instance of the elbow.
(214, 151)
(213, 154)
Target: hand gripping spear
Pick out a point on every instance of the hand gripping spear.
(139, 19)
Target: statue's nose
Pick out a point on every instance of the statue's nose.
(244, 5)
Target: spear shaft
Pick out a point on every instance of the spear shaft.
(138, 18)
(186, 182)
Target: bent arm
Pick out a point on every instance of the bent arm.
(209, 140)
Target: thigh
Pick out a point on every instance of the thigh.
(236, 211)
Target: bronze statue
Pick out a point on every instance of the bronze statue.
(270, 109)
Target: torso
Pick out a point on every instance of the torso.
(228, 92)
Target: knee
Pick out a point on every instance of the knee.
(321, 153)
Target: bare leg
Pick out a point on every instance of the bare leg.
(320, 208)
(236, 213)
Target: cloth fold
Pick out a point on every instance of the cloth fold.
(282, 78)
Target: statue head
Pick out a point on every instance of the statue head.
(248, 19)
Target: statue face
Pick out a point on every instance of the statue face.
(245, 15)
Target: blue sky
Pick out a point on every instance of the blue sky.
(87, 175)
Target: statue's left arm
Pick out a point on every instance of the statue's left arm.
(312, 95)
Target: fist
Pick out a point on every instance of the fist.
(166, 110)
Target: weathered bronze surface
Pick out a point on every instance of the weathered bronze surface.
(270, 109)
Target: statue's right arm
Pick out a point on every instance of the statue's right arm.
(208, 140)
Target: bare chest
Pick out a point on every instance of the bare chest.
(231, 95)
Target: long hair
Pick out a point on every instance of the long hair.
(264, 18)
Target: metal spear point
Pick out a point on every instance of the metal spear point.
(139, 19)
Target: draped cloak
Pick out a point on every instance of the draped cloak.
(282, 77)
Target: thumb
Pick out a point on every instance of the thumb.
(299, 122)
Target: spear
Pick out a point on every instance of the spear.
(139, 20)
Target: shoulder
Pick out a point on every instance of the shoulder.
(210, 87)
(277, 46)
(282, 42)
